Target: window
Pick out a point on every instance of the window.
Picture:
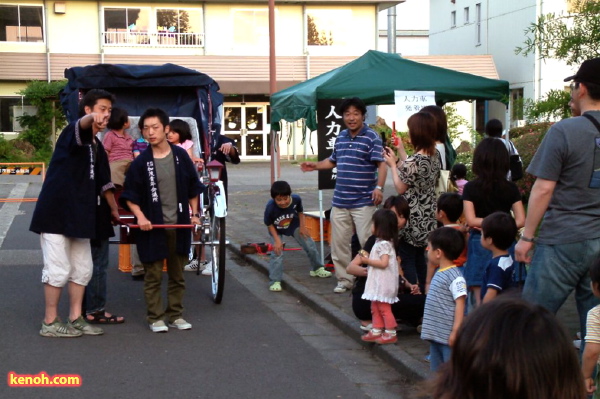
(328, 27)
(251, 31)
(186, 22)
(466, 15)
(453, 19)
(126, 25)
(8, 121)
(21, 23)
(478, 24)
(516, 104)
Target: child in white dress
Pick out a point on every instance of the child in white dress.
(382, 278)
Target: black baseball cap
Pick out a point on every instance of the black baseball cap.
(589, 72)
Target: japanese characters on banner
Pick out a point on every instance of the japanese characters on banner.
(329, 125)
(411, 102)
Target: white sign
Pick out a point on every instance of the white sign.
(411, 102)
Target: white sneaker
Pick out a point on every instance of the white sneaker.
(368, 327)
(181, 324)
(207, 269)
(192, 266)
(340, 288)
(159, 326)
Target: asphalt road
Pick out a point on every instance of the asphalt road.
(256, 344)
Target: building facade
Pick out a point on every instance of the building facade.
(497, 28)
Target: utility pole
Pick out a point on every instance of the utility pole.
(275, 161)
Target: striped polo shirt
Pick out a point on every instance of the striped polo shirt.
(356, 161)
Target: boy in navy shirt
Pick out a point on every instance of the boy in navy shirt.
(498, 232)
(284, 216)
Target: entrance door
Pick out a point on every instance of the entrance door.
(248, 125)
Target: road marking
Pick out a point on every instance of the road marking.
(10, 209)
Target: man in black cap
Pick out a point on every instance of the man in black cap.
(566, 195)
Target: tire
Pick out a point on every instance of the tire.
(217, 250)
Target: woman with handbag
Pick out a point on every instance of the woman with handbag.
(415, 178)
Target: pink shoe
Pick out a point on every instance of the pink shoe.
(387, 338)
(371, 337)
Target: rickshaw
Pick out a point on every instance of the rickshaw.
(185, 94)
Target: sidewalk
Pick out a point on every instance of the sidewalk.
(249, 185)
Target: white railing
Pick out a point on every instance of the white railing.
(152, 39)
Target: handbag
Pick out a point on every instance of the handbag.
(516, 165)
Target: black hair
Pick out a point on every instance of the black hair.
(501, 228)
(280, 187)
(91, 98)
(459, 171)
(118, 118)
(399, 203)
(353, 102)
(154, 112)
(182, 128)
(491, 164)
(510, 348)
(593, 89)
(595, 272)
(385, 225)
(493, 128)
(450, 241)
(441, 121)
(451, 204)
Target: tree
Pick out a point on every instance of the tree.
(316, 38)
(38, 127)
(553, 106)
(572, 37)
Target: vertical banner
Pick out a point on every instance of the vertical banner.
(329, 125)
(411, 102)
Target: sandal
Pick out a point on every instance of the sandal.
(100, 317)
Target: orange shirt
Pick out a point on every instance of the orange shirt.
(460, 261)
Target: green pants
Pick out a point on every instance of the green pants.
(176, 285)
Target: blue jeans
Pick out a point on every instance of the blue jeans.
(307, 244)
(414, 263)
(557, 270)
(95, 291)
(438, 354)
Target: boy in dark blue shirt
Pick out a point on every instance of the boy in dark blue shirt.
(284, 216)
(498, 232)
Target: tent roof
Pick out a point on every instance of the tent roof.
(374, 77)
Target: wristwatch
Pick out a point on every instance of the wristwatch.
(527, 239)
(379, 188)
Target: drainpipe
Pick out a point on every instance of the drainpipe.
(100, 39)
(391, 29)
(46, 11)
(204, 28)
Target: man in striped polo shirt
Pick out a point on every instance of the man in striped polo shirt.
(361, 173)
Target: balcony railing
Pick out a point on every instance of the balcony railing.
(152, 39)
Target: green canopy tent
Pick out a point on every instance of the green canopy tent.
(374, 77)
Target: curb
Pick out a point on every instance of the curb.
(395, 357)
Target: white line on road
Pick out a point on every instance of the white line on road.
(10, 209)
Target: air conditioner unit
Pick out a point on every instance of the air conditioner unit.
(20, 110)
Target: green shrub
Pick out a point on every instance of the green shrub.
(527, 142)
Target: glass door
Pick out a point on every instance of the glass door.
(247, 125)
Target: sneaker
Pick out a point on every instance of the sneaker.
(320, 272)
(387, 338)
(192, 266)
(368, 327)
(207, 269)
(86, 328)
(340, 288)
(371, 336)
(181, 324)
(159, 326)
(276, 286)
(56, 329)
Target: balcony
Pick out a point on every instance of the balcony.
(162, 39)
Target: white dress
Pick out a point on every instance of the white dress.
(382, 284)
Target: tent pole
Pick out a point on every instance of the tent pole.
(321, 215)
(273, 88)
